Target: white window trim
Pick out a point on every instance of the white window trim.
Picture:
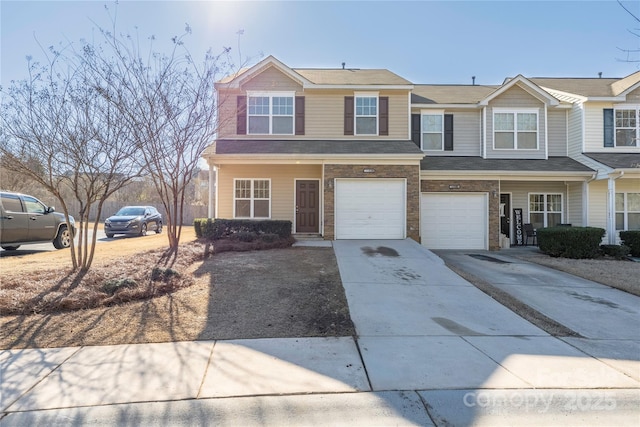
(545, 212)
(422, 132)
(625, 212)
(271, 95)
(357, 95)
(252, 198)
(515, 112)
(635, 107)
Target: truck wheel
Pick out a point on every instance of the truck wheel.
(10, 248)
(63, 239)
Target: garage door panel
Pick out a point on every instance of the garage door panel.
(454, 221)
(370, 209)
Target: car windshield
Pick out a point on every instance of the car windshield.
(130, 212)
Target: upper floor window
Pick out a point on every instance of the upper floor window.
(627, 211)
(270, 113)
(626, 125)
(515, 130)
(432, 131)
(366, 115)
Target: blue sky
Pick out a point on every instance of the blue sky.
(423, 41)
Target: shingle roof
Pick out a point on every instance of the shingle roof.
(599, 87)
(269, 146)
(450, 94)
(617, 160)
(552, 164)
(350, 76)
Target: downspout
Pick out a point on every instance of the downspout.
(611, 208)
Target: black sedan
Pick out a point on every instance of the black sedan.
(134, 220)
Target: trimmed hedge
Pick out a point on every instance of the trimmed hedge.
(616, 251)
(632, 239)
(570, 242)
(240, 229)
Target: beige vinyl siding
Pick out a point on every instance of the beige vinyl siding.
(598, 204)
(521, 190)
(575, 119)
(466, 134)
(594, 127)
(227, 106)
(282, 186)
(516, 98)
(324, 115)
(557, 132)
(272, 79)
(574, 203)
(634, 97)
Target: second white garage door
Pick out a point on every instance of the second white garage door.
(370, 208)
(454, 221)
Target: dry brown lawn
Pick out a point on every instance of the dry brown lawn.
(256, 294)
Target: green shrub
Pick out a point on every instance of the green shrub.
(244, 236)
(158, 273)
(631, 238)
(225, 228)
(112, 285)
(570, 242)
(269, 237)
(616, 251)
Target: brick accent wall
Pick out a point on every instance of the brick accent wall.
(410, 172)
(461, 186)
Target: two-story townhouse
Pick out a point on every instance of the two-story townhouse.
(604, 134)
(496, 158)
(328, 149)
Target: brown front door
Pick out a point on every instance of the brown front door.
(307, 206)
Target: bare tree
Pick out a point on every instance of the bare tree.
(79, 142)
(171, 106)
(631, 53)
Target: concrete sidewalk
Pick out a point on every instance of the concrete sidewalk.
(431, 350)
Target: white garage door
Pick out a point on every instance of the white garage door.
(454, 221)
(370, 208)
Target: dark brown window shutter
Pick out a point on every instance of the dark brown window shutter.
(348, 115)
(241, 116)
(448, 132)
(415, 129)
(299, 115)
(383, 113)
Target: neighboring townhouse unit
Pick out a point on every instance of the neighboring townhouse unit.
(366, 154)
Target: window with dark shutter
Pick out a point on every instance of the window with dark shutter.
(415, 129)
(299, 115)
(348, 115)
(241, 116)
(448, 132)
(608, 127)
(383, 124)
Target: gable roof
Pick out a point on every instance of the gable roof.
(552, 164)
(319, 78)
(617, 160)
(450, 94)
(526, 84)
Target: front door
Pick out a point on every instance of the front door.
(505, 211)
(307, 206)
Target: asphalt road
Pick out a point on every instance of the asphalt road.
(48, 247)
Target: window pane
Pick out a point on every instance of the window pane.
(536, 202)
(553, 219)
(619, 221)
(261, 189)
(504, 140)
(243, 208)
(258, 124)
(633, 202)
(634, 221)
(625, 137)
(554, 202)
(503, 121)
(261, 209)
(527, 121)
(537, 220)
(432, 141)
(11, 203)
(527, 140)
(626, 118)
(619, 202)
(258, 105)
(283, 106)
(366, 106)
(243, 189)
(283, 125)
(366, 125)
(432, 123)
(33, 206)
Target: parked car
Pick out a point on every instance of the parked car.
(134, 220)
(26, 220)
